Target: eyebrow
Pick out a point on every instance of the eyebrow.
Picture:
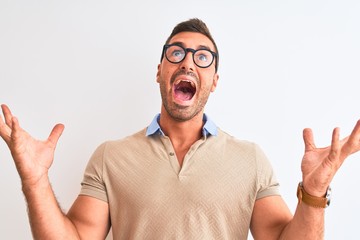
(199, 47)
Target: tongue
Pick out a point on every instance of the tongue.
(183, 94)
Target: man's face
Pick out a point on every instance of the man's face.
(185, 87)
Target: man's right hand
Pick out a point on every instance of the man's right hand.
(32, 157)
(88, 217)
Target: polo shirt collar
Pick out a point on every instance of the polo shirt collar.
(209, 127)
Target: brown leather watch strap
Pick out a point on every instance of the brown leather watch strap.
(303, 196)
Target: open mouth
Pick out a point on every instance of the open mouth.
(184, 90)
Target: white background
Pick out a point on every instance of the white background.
(284, 66)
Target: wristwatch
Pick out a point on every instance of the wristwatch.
(318, 202)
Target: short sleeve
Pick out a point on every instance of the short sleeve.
(93, 184)
(268, 185)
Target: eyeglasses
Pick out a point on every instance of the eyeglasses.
(203, 58)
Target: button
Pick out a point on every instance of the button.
(171, 154)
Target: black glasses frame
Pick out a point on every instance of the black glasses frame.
(187, 50)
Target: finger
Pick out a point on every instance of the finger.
(7, 115)
(335, 145)
(353, 143)
(308, 139)
(16, 129)
(56, 133)
(355, 134)
(4, 131)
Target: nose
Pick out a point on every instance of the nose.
(188, 62)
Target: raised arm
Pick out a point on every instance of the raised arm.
(33, 159)
(319, 165)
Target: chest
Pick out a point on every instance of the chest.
(205, 181)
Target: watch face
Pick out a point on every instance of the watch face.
(328, 196)
(319, 202)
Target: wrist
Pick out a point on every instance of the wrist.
(314, 191)
(33, 185)
(311, 200)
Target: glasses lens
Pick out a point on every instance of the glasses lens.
(203, 58)
(175, 53)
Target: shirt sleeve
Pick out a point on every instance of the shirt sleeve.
(93, 184)
(268, 185)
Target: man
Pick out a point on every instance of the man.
(181, 177)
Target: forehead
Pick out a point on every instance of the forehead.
(192, 40)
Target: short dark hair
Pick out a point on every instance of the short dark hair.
(198, 26)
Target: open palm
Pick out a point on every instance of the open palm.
(319, 165)
(32, 157)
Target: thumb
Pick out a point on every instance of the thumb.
(308, 139)
(56, 133)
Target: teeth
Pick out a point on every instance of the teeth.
(184, 80)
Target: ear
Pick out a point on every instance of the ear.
(215, 81)
(158, 72)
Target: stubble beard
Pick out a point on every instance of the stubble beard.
(182, 113)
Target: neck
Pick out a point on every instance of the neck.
(182, 134)
(184, 130)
